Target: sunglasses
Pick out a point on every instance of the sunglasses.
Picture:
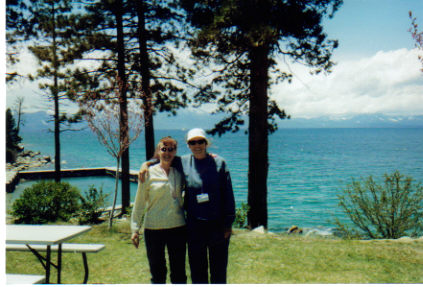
(197, 142)
(169, 149)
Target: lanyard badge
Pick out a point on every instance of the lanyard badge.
(202, 197)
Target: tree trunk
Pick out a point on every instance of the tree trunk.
(115, 194)
(57, 175)
(19, 112)
(55, 92)
(258, 138)
(145, 82)
(124, 132)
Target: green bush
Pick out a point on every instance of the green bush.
(91, 204)
(391, 210)
(12, 137)
(46, 201)
(241, 216)
(11, 155)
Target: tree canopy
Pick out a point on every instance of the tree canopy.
(137, 44)
(241, 39)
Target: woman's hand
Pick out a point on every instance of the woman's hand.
(135, 239)
(143, 171)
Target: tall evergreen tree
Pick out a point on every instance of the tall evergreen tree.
(145, 71)
(118, 11)
(158, 27)
(242, 38)
(17, 27)
(101, 40)
(12, 137)
(50, 32)
(144, 59)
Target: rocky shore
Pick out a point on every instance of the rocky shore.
(28, 159)
(25, 159)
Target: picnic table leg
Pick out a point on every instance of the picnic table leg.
(48, 259)
(84, 258)
(59, 263)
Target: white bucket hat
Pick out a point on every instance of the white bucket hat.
(197, 133)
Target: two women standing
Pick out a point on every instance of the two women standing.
(208, 204)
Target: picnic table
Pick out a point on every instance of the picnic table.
(47, 235)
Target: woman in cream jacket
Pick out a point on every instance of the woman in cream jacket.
(158, 214)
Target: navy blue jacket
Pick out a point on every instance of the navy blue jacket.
(209, 175)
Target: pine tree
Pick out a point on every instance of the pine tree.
(17, 27)
(50, 30)
(144, 63)
(156, 28)
(101, 41)
(12, 136)
(241, 39)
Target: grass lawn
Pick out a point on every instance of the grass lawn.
(254, 258)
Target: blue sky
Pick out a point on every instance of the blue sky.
(377, 69)
(364, 27)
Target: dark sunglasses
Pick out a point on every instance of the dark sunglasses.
(197, 142)
(169, 149)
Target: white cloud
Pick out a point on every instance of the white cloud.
(388, 82)
(34, 99)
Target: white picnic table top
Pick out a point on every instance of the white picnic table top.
(42, 234)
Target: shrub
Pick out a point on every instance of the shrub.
(241, 216)
(12, 137)
(46, 201)
(11, 155)
(392, 210)
(91, 204)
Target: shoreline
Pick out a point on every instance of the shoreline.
(26, 159)
(13, 177)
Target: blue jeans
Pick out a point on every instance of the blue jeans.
(155, 243)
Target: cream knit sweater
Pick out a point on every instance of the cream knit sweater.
(158, 202)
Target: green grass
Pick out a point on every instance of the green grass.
(254, 258)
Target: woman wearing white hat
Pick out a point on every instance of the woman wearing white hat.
(210, 209)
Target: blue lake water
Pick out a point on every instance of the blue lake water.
(308, 167)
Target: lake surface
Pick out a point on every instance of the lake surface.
(308, 167)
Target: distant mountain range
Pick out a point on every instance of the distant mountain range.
(358, 121)
(185, 120)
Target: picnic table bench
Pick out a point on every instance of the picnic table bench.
(24, 279)
(66, 247)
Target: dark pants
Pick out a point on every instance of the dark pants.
(155, 243)
(207, 246)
